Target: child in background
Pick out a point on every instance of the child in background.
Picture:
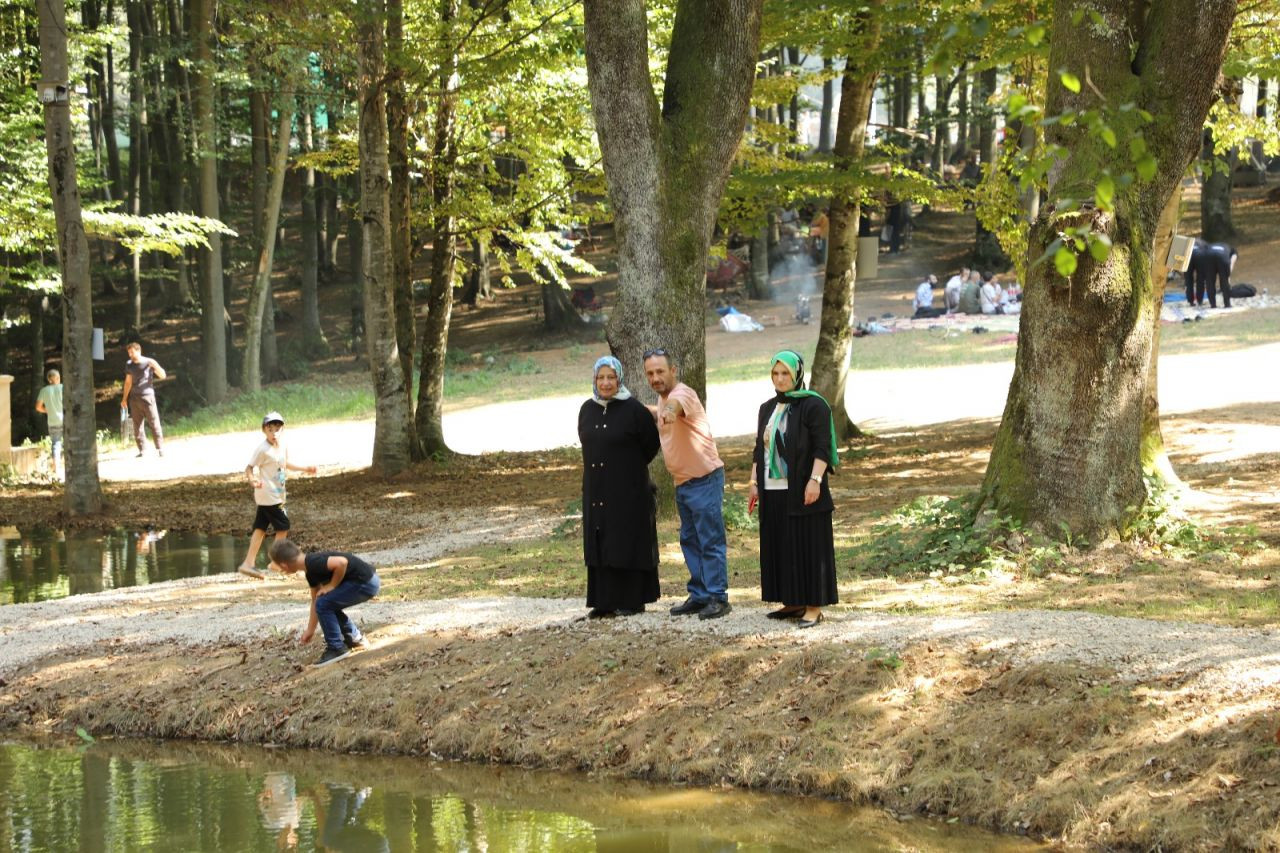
(338, 580)
(49, 401)
(266, 473)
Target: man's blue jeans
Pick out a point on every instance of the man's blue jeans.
(331, 607)
(701, 503)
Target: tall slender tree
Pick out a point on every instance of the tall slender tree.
(391, 402)
(213, 326)
(83, 492)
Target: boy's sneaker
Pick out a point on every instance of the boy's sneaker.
(331, 654)
(353, 643)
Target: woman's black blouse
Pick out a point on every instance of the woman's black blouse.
(808, 437)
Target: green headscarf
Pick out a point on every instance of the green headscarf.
(795, 364)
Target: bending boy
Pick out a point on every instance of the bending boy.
(338, 580)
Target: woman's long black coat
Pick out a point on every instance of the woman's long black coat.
(619, 500)
(808, 437)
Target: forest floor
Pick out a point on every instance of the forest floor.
(1122, 697)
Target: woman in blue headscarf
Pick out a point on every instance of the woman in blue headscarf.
(619, 501)
(795, 449)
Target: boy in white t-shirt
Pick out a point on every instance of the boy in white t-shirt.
(266, 473)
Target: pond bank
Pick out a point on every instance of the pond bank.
(939, 724)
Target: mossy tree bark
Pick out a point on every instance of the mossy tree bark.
(1155, 461)
(666, 163)
(835, 335)
(1068, 454)
(83, 491)
(391, 402)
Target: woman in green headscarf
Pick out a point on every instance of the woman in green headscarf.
(795, 449)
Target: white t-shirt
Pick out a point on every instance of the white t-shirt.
(270, 462)
(989, 297)
(954, 284)
(924, 295)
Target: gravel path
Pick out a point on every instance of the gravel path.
(212, 610)
(879, 400)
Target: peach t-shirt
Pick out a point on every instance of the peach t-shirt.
(687, 445)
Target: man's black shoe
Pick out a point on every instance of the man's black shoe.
(715, 610)
(690, 606)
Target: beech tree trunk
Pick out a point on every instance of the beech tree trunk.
(83, 492)
(391, 402)
(313, 340)
(259, 301)
(835, 335)
(1068, 456)
(429, 419)
(401, 233)
(213, 327)
(962, 116)
(666, 164)
(827, 110)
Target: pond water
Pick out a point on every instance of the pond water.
(131, 795)
(38, 565)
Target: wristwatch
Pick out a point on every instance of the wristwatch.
(815, 478)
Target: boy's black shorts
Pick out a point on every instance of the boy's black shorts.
(271, 516)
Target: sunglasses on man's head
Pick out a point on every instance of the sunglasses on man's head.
(652, 353)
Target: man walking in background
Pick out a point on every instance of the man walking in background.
(139, 397)
(694, 462)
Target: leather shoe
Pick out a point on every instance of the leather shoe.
(714, 610)
(785, 613)
(809, 623)
(689, 606)
(599, 613)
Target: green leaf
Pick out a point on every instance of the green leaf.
(84, 736)
(1035, 34)
(1108, 136)
(1100, 247)
(1064, 261)
(1105, 192)
(1069, 80)
(1137, 147)
(1146, 167)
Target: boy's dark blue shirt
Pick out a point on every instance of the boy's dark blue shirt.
(319, 573)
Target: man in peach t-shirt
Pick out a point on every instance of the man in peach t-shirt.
(695, 466)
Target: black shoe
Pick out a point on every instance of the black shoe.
(623, 611)
(599, 613)
(714, 610)
(785, 613)
(354, 644)
(690, 606)
(331, 654)
(809, 623)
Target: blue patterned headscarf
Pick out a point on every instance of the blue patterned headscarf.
(608, 361)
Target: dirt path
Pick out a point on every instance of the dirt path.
(879, 400)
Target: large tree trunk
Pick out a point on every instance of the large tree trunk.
(391, 403)
(83, 492)
(835, 335)
(1068, 455)
(444, 247)
(213, 327)
(313, 340)
(259, 301)
(401, 235)
(666, 165)
(1216, 225)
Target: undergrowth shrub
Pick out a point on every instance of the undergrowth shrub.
(735, 513)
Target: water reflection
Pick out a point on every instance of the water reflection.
(39, 565)
(193, 797)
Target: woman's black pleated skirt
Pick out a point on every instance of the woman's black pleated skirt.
(797, 554)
